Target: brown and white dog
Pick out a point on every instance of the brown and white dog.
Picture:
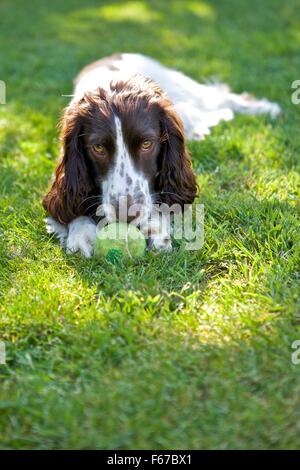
(123, 144)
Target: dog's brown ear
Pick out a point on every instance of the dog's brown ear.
(176, 181)
(72, 184)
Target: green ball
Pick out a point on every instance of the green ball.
(119, 239)
(114, 256)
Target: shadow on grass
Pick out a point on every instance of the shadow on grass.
(155, 390)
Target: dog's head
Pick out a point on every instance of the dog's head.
(123, 145)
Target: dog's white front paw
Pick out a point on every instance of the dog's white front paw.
(274, 110)
(81, 237)
(58, 229)
(161, 244)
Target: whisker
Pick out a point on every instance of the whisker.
(163, 192)
(91, 197)
(92, 205)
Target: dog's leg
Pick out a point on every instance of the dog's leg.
(157, 231)
(247, 104)
(78, 235)
(81, 236)
(204, 106)
(59, 230)
(197, 124)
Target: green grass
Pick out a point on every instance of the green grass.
(187, 350)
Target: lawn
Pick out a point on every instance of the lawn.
(181, 350)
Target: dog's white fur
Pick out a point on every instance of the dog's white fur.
(125, 178)
(199, 106)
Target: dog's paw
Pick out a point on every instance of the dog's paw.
(53, 227)
(260, 106)
(274, 110)
(81, 237)
(268, 107)
(160, 244)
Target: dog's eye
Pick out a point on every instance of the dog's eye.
(146, 144)
(99, 149)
